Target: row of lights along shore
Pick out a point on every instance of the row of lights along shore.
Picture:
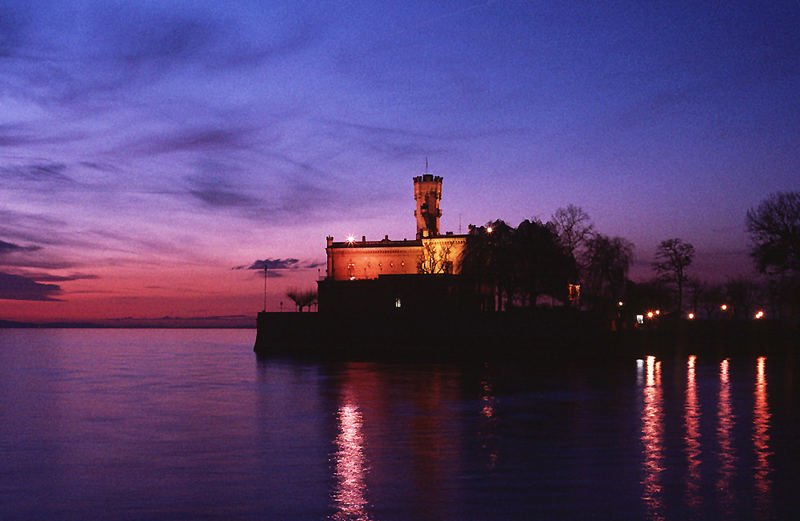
(656, 313)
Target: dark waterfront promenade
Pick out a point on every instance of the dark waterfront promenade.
(548, 333)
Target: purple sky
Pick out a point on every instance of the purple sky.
(147, 148)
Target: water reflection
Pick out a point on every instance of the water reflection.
(761, 418)
(653, 440)
(350, 490)
(726, 422)
(488, 424)
(691, 422)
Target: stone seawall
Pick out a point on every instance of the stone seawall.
(542, 333)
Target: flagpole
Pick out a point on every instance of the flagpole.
(265, 286)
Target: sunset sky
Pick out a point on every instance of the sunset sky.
(149, 149)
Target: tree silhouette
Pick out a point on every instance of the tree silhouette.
(487, 258)
(574, 228)
(519, 264)
(673, 257)
(302, 298)
(540, 266)
(606, 263)
(774, 229)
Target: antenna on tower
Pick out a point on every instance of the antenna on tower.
(426, 164)
(265, 285)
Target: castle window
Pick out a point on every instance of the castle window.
(397, 303)
(351, 271)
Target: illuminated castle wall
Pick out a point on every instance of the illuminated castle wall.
(430, 252)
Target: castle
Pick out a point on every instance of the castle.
(408, 275)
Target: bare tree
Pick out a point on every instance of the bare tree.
(434, 260)
(302, 298)
(673, 257)
(774, 228)
(574, 228)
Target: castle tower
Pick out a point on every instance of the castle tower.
(427, 193)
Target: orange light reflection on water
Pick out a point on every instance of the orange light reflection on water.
(653, 440)
(488, 423)
(351, 469)
(761, 419)
(727, 459)
(691, 422)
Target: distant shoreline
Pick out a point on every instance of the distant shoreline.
(10, 324)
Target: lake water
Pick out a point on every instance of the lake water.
(188, 424)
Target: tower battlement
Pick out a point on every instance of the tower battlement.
(427, 178)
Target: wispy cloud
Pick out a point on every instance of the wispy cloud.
(398, 143)
(211, 138)
(41, 172)
(218, 193)
(45, 277)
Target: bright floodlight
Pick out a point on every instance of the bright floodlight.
(351, 239)
(649, 314)
(691, 316)
(620, 303)
(724, 307)
(759, 314)
(658, 312)
(489, 229)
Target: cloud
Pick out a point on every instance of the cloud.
(222, 196)
(19, 287)
(16, 135)
(10, 247)
(275, 266)
(42, 172)
(86, 61)
(211, 138)
(161, 41)
(44, 277)
(398, 143)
